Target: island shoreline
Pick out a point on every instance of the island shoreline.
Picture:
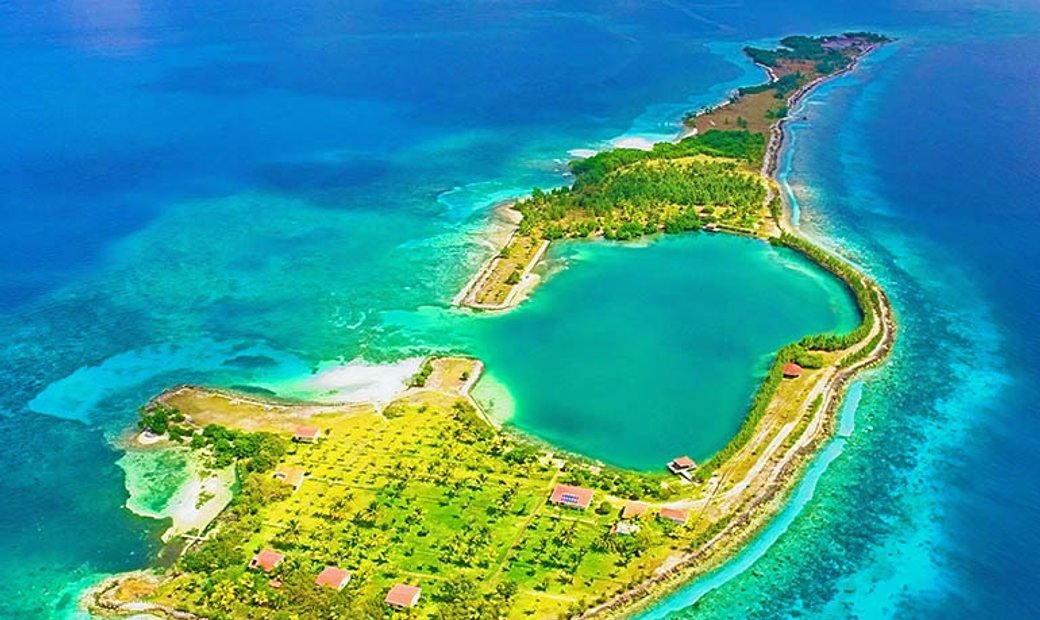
(780, 480)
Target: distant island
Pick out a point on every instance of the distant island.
(425, 507)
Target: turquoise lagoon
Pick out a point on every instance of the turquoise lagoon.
(636, 353)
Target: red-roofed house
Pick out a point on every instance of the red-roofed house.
(333, 577)
(306, 434)
(792, 370)
(267, 560)
(678, 515)
(575, 497)
(290, 476)
(633, 510)
(682, 466)
(402, 596)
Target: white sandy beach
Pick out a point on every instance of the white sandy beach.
(582, 153)
(213, 492)
(633, 142)
(358, 381)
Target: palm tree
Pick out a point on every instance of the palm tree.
(567, 535)
(339, 506)
(292, 530)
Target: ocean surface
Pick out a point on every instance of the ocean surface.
(245, 193)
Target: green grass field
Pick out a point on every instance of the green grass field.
(427, 494)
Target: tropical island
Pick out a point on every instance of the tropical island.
(425, 507)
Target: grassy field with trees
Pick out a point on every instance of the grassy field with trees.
(428, 494)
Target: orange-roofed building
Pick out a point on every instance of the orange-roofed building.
(267, 560)
(792, 370)
(633, 510)
(678, 515)
(575, 497)
(402, 596)
(682, 466)
(291, 476)
(333, 577)
(306, 434)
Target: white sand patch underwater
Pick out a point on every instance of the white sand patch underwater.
(355, 381)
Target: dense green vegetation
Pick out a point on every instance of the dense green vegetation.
(742, 145)
(157, 418)
(254, 452)
(419, 378)
(799, 48)
(866, 298)
(795, 48)
(805, 359)
(869, 37)
(619, 482)
(627, 193)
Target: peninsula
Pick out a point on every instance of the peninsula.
(425, 507)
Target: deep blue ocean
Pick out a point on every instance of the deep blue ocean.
(199, 191)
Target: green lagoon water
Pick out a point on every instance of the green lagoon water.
(637, 353)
